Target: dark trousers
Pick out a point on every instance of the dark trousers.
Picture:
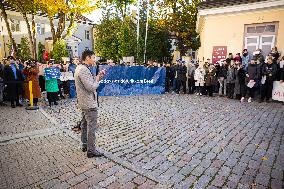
(191, 86)
(35, 101)
(266, 90)
(13, 100)
(52, 97)
(199, 89)
(243, 90)
(251, 92)
(15, 96)
(230, 90)
(167, 85)
(174, 84)
(41, 83)
(209, 90)
(179, 84)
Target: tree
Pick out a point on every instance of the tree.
(116, 37)
(40, 52)
(4, 14)
(64, 11)
(26, 7)
(158, 43)
(24, 52)
(120, 6)
(180, 16)
(59, 50)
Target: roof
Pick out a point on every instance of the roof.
(209, 4)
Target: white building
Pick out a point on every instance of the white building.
(81, 39)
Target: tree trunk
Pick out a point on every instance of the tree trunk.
(29, 33)
(34, 36)
(4, 14)
(60, 26)
(71, 23)
(52, 28)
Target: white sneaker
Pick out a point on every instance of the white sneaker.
(249, 100)
(242, 99)
(200, 94)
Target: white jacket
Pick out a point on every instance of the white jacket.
(199, 76)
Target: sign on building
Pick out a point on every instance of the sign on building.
(219, 53)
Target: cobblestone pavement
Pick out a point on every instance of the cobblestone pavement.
(12, 121)
(185, 141)
(165, 141)
(46, 155)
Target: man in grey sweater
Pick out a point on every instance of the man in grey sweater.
(86, 86)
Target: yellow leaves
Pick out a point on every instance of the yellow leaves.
(170, 156)
(264, 158)
(53, 7)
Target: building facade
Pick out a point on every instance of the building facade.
(80, 40)
(237, 25)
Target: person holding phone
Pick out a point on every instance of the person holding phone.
(86, 88)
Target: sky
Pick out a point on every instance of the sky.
(95, 16)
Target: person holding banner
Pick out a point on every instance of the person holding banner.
(52, 73)
(86, 89)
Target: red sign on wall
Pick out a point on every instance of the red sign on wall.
(219, 53)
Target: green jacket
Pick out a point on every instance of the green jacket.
(51, 85)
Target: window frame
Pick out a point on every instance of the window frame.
(87, 34)
(259, 35)
(15, 25)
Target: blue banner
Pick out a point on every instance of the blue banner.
(134, 80)
(52, 73)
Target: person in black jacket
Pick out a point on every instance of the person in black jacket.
(13, 77)
(222, 78)
(282, 71)
(1, 84)
(269, 71)
(253, 75)
(174, 76)
(168, 78)
(181, 77)
(240, 82)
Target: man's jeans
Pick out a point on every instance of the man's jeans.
(89, 127)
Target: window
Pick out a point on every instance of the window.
(87, 34)
(260, 36)
(15, 25)
(40, 28)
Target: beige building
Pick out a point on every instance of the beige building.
(239, 24)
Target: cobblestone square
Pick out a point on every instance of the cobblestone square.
(165, 141)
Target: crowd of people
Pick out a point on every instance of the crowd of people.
(238, 76)
(15, 76)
